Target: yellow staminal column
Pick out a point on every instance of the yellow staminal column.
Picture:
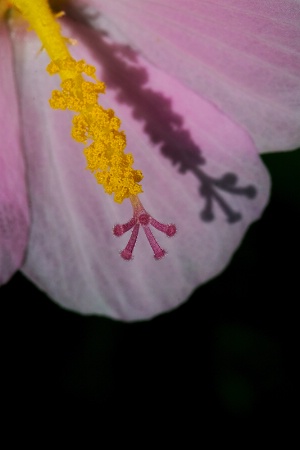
(42, 21)
(97, 128)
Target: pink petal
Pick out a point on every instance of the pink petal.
(73, 255)
(14, 215)
(243, 55)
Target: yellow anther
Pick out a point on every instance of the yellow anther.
(59, 14)
(57, 101)
(53, 68)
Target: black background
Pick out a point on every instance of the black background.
(227, 354)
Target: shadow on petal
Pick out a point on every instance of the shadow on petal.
(164, 126)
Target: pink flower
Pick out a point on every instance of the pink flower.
(201, 89)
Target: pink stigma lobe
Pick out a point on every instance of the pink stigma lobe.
(142, 219)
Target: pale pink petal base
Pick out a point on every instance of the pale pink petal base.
(14, 215)
(73, 254)
(243, 55)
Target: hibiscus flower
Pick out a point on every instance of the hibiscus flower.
(201, 88)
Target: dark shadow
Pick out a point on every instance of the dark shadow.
(162, 124)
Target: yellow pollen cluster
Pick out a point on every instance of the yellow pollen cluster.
(93, 124)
